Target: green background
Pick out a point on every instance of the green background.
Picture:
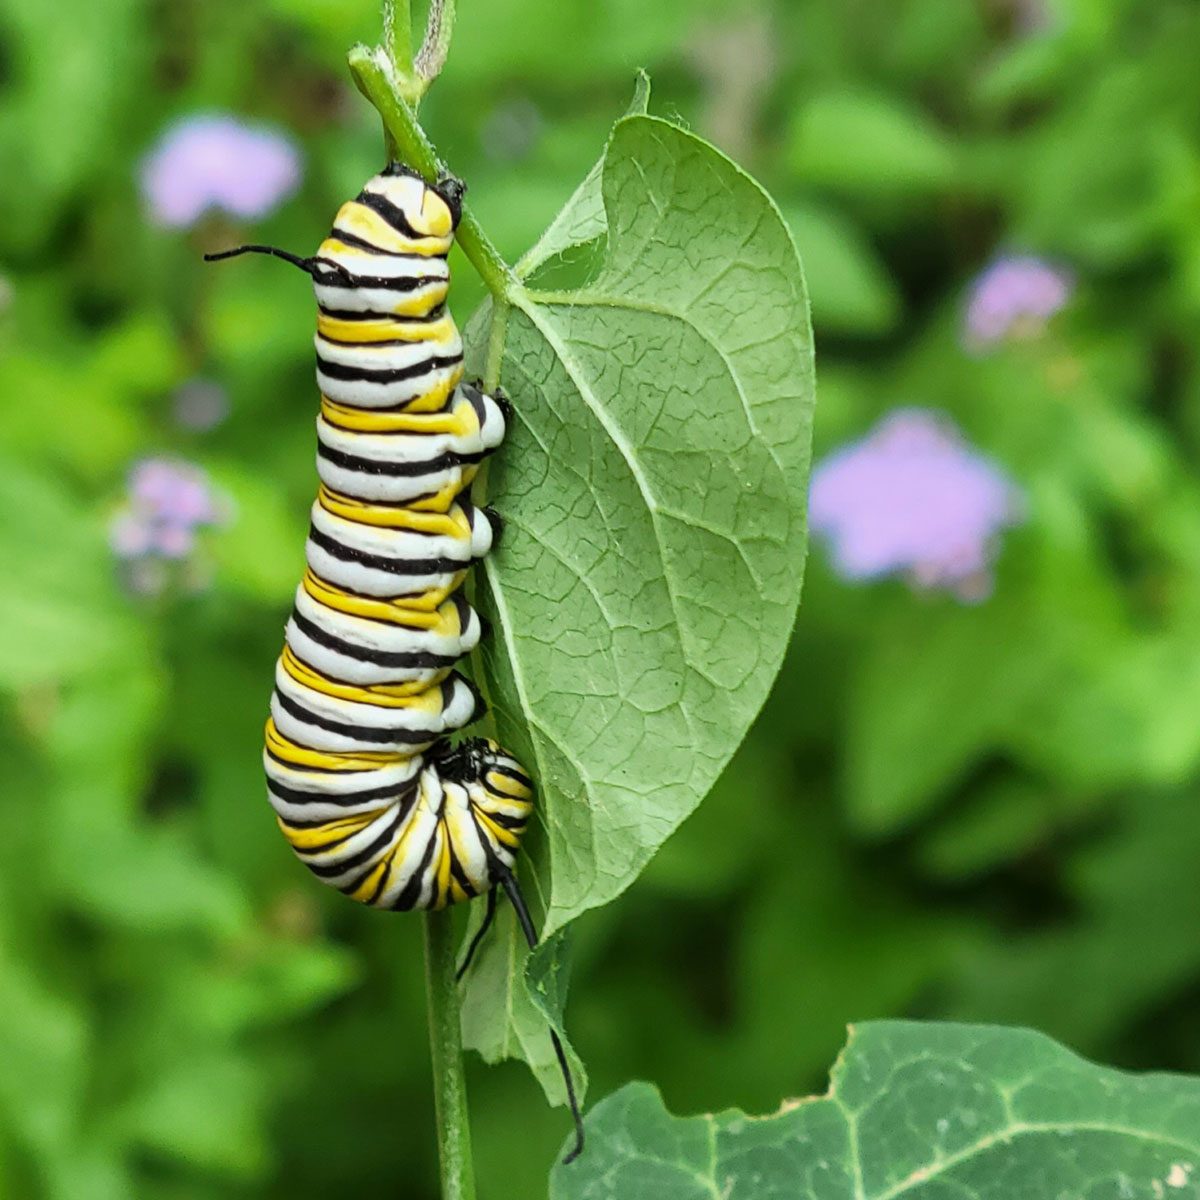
(978, 813)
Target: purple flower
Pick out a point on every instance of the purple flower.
(913, 499)
(200, 405)
(172, 493)
(1014, 297)
(215, 161)
(168, 503)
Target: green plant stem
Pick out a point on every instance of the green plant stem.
(501, 306)
(411, 144)
(445, 1042)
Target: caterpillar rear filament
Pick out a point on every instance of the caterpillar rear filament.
(367, 789)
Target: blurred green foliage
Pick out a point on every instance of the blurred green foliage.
(985, 813)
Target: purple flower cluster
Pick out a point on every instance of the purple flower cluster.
(168, 503)
(1014, 297)
(913, 499)
(215, 161)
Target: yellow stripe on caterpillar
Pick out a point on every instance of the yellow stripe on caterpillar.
(370, 886)
(423, 697)
(433, 599)
(459, 419)
(390, 516)
(507, 786)
(328, 834)
(443, 875)
(441, 501)
(381, 329)
(379, 609)
(296, 755)
(367, 224)
(506, 837)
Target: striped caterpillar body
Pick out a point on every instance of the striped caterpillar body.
(371, 799)
(365, 786)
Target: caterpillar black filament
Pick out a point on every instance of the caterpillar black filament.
(366, 787)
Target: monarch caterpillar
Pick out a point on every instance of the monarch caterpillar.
(365, 786)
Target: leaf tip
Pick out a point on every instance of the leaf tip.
(641, 94)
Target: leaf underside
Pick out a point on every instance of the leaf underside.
(653, 494)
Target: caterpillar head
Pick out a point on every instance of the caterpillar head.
(497, 792)
(482, 763)
(451, 190)
(466, 760)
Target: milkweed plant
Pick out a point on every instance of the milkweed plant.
(655, 345)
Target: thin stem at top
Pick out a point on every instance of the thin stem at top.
(414, 147)
(431, 58)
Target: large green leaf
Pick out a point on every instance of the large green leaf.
(653, 491)
(931, 1112)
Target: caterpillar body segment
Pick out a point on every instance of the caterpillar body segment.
(461, 816)
(325, 719)
(431, 846)
(399, 560)
(423, 460)
(369, 794)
